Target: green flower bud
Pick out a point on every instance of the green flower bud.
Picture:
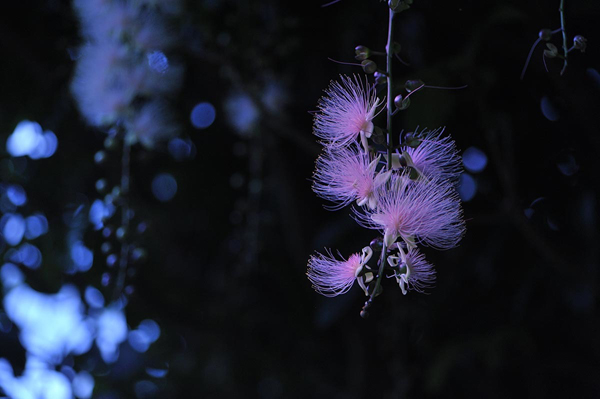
(545, 34)
(401, 103)
(369, 66)
(552, 51)
(395, 48)
(380, 78)
(580, 43)
(412, 85)
(362, 53)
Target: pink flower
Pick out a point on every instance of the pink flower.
(416, 211)
(436, 156)
(347, 111)
(347, 174)
(332, 277)
(414, 272)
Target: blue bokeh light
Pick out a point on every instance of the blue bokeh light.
(13, 228)
(29, 139)
(549, 110)
(242, 113)
(164, 187)
(82, 256)
(100, 211)
(37, 382)
(11, 275)
(16, 194)
(112, 330)
(594, 75)
(145, 389)
(24, 139)
(474, 159)
(158, 62)
(138, 340)
(83, 385)
(203, 115)
(568, 166)
(156, 373)
(52, 326)
(150, 328)
(467, 187)
(94, 297)
(181, 149)
(36, 225)
(28, 255)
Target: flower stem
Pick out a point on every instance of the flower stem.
(389, 144)
(561, 9)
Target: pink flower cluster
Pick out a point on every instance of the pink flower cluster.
(412, 203)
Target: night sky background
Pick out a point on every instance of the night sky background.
(515, 309)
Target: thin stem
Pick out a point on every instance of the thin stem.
(389, 144)
(125, 177)
(529, 57)
(564, 34)
(344, 63)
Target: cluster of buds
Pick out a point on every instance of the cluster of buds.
(409, 198)
(551, 51)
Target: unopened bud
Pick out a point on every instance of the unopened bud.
(376, 244)
(580, 43)
(545, 34)
(380, 78)
(395, 48)
(377, 136)
(369, 66)
(362, 52)
(552, 51)
(401, 103)
(412, 85)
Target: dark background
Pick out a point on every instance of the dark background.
(515, 309)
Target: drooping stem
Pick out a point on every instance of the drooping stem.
(124, 188)
(564, 34)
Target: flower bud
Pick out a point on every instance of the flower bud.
(377, 136)
(393, 4)
(545, 34)
(395, 48)
(369, 66)
(412, 85)
(376, 244)
(580, 43)
(362, 52)
(552, 51)
(380, 78)
(401, 103)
